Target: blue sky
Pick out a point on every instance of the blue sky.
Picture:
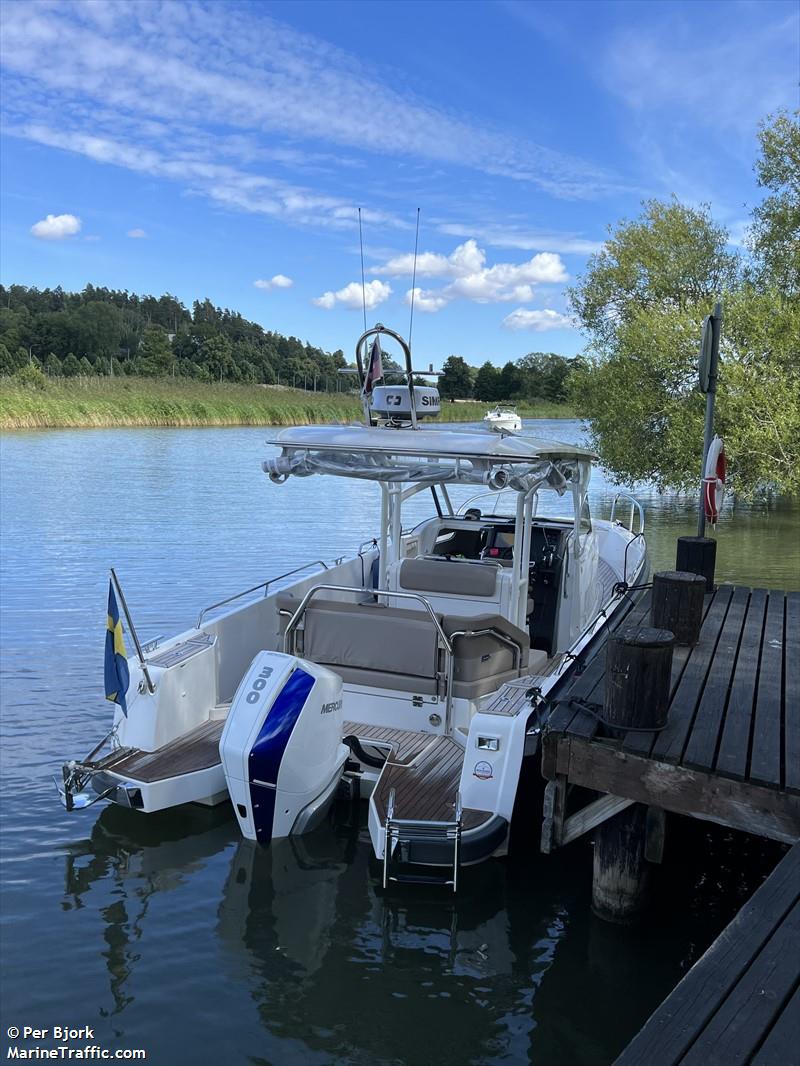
(202, 148)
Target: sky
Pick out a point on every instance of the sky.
(223, 150)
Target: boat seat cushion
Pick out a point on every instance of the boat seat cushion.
(370, 636)
(486, 655)
(454, 577)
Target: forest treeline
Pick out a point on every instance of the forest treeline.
(50, 333)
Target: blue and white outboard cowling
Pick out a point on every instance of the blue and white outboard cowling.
(281, 747)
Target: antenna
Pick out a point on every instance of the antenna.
(363, 285)
(413, 281)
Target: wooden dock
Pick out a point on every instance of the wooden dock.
(739, 1005)
(730, 752)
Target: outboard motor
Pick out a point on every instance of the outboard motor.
(281, 747)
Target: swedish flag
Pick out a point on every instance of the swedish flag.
(116, 671)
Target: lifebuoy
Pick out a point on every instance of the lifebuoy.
(714, 480)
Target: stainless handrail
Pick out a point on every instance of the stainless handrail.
(635, 505)
(490, 631)
(264, 585)
(292, 623)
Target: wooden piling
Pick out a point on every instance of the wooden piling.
(697, 555)
(637, 690)
(677, 604)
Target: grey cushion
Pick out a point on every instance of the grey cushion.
(371, 637)
(484, 656)
(453, 576)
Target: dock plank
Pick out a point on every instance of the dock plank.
(765, 760)
(642, 743)
(734, 749)
(791, 694)
(783, 1041)
(670, 743)
(753, 1006)
(673, 1030)
(701, 746)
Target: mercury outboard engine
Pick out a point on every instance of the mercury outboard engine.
(281, 747)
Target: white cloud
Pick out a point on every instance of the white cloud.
(465, 259)
(538, 321)
(426, 301)
(669, 67)
(251, 79)
(523, 238)
(137, 234)
(279, 281)
(374, 293)
(472, 280)
(56, 227)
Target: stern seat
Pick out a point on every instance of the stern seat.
(391, 647)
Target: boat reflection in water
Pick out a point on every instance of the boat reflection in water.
(323, 965)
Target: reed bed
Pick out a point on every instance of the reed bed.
(84, 403)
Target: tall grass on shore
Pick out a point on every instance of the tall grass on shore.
(97, 402)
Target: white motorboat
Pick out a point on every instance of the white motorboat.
(503, 419)
(416, 669)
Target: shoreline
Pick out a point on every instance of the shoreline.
(125, 403)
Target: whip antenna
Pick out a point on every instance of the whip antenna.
(413, 282)
(363, 284)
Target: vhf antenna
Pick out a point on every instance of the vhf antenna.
(413, 281)
(363, 284)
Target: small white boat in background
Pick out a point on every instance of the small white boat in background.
(416, 670)
(503, 419)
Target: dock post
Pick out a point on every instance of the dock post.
(638, 668)
(697, 555)
(677, 604)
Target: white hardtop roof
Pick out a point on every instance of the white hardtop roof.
(438, 443)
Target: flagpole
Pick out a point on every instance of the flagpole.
(132, 629)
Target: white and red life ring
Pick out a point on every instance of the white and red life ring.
(714, 480)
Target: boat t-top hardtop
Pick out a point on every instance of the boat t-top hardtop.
(417, 668)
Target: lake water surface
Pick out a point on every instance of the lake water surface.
(171, 934)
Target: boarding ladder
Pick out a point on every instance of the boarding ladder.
(401, 833)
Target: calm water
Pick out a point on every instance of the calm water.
(172, 935)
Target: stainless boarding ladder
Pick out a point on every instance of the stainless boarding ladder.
(405, 831)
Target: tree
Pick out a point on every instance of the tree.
(70, 367)
(154, 354)
(52, 366)
(509, 382)
(7, 363)
(671, 257)
(775, 235)
(87, 370)
(31, 377)
(487, 382)
(456, 380)
(639, 389)
(217, 360)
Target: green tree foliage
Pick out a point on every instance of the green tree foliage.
(487, 383)
(510, 382)
(52, 366)
(87, 370)
(456, 380)
(154, 356)
(671, 257)
(31, 376)
(643, 313)
(7, 363)
(545, 375)
(71, 368)
(775, 234)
